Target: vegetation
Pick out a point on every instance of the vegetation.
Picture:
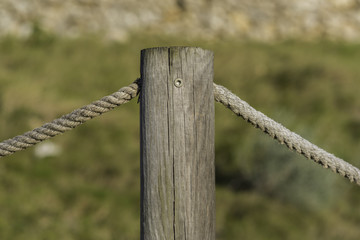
(91, 190)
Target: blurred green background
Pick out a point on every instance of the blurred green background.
(90, 187)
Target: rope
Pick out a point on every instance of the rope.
(79, 116)
(284, 135)
(69, 121)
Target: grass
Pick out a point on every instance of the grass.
(91, 190)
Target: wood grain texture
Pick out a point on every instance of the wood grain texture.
(177, 144)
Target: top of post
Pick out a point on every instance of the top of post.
(175, 48)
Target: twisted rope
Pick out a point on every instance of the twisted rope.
(284, 135)
(69, 121)
(79, 116)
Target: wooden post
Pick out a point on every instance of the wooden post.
(177, 144)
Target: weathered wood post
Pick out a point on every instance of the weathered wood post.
(177, 144)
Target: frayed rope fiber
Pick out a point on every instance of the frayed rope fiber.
(69, 121)
(292, 140)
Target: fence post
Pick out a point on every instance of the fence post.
(177, 144)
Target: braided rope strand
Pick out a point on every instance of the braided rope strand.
(292, 140)
(79, 116)
(70, 121)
